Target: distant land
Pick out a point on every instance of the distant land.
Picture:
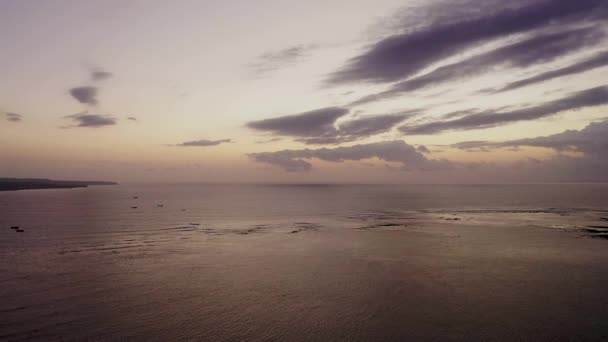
(11, 184)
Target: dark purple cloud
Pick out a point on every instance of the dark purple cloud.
(359, 128)
(309, 124)
(586, 98)
(204, 143)
(390, 151)
(596, 61)
(320, 127)
(403, 55)
(13, 117)
(90, 120)
(86, 94)
(535, 50)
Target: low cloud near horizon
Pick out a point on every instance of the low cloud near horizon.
(204, 143)
(397, 151)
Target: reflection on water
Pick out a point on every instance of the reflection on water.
(229, 262)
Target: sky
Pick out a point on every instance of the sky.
(282, 91)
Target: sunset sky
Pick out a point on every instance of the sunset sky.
(380, 91)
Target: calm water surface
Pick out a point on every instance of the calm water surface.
(313, 262)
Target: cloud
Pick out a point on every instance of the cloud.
(274, 60)
(390, 151)
(85, 94)
(268, 141)
(13, 117)
(100, 75)
(204, 142)
(422, 149)
(309, 124)
(473, 146)
(403, 55)
(524, 53)
(90, 120)
(596, 61)
(590, 164)
(586, 98)
(320, 127)
(360, 128)
(591, 140)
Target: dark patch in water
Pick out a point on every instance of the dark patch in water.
(185, 228)
(251, 230)
(384, 225)
(599, 236)
(19, 308)
(599, 227)
(305, 226)
(114, 248)
(379, 216)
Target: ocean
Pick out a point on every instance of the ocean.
(196, 262)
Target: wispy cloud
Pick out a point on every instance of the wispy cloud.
(314, 123)
(586, 98)
(204, 143)
(358, 129)
(534, 50)
(321, 127)
(598, 60)
(274, 60)
(268, 141)
(390, 151)
(591, 140)
(403, 55)
(100, 75)
(13, 117)
(90, 120)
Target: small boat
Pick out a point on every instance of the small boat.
(15, 227)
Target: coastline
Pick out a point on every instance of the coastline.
(16, 184)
